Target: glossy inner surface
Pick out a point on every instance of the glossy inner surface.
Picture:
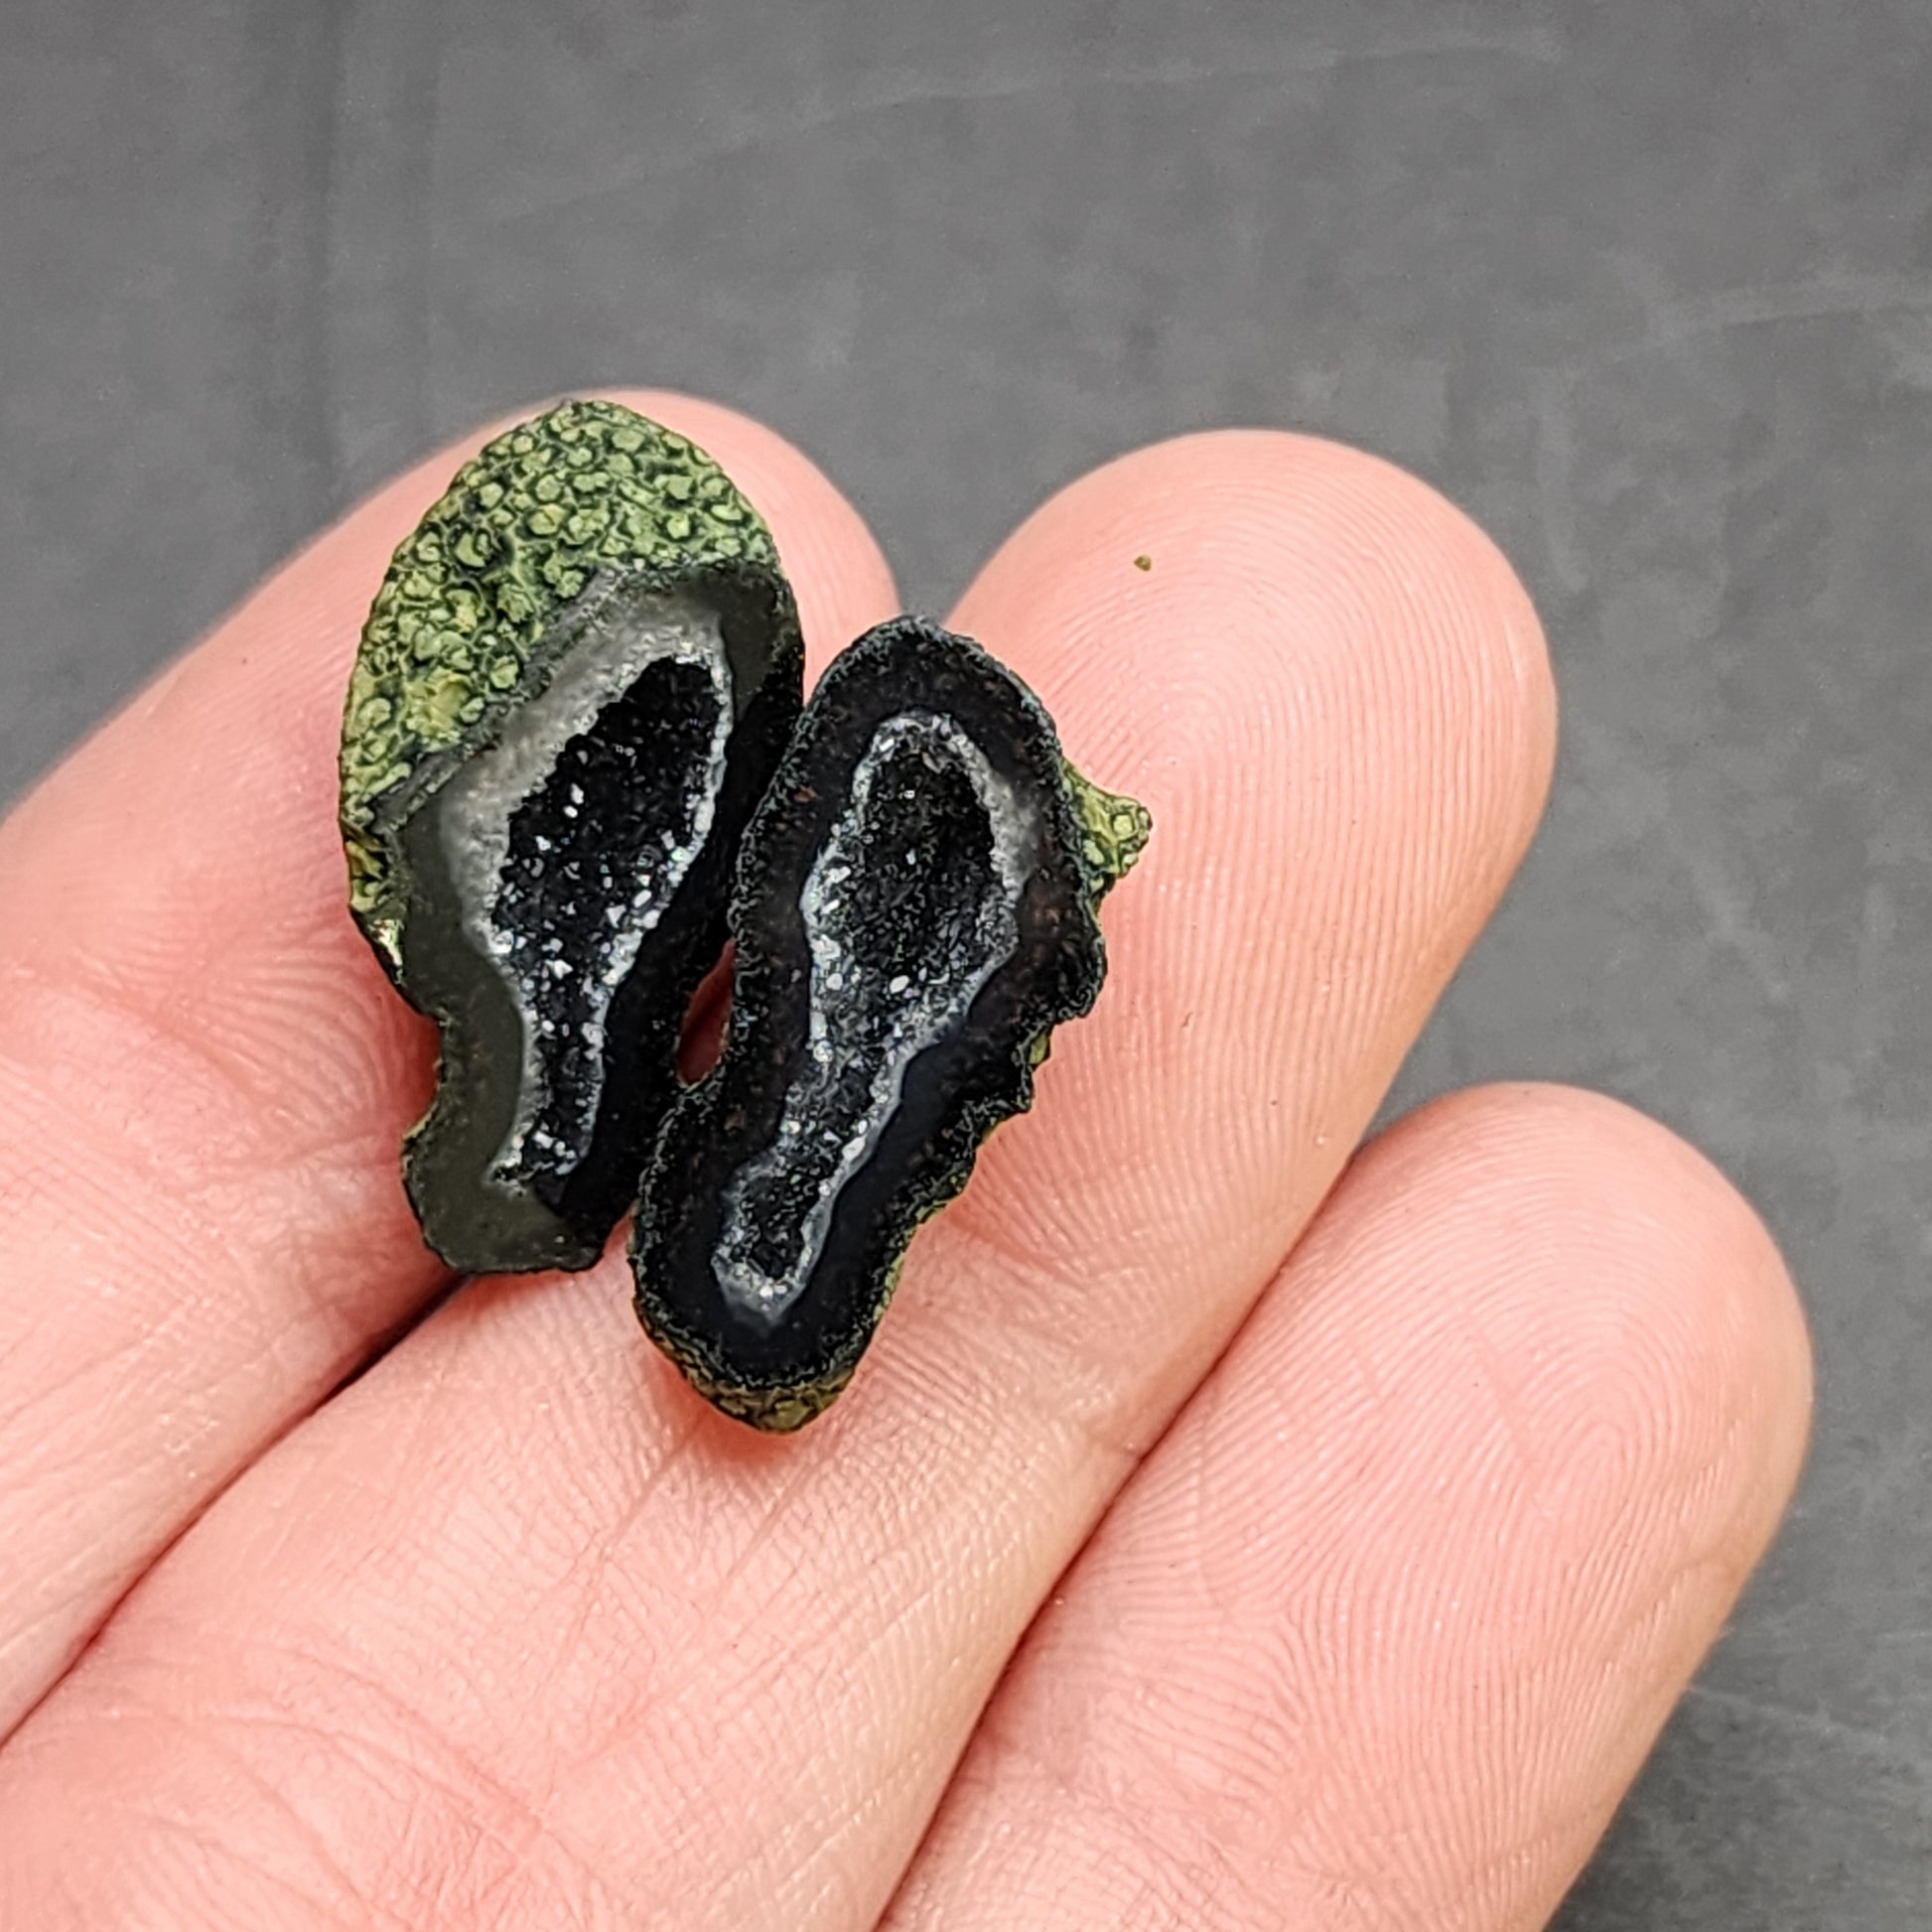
(910, 907)
(568, 839)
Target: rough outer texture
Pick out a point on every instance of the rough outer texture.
(1113, 830)
(520, 532)
(546, 526)
(777, 1368)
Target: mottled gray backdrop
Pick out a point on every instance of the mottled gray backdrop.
(1648, 288)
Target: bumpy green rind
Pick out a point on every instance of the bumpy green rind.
(521, 531)
(1114, 831)
(772, 1412)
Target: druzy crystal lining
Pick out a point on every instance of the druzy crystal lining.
(878, 998)
(566, 841)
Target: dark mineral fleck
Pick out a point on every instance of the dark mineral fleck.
(574, 684)
(915, 911)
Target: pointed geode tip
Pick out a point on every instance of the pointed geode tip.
(1114, 830)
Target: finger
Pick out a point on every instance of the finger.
(550, 1625)
(1384, 1627)
(204, 1078)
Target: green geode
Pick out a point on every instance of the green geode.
(573, 686)
(915, 911)
(522, 529)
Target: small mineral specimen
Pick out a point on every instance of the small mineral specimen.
(915, 912)
(574, 682)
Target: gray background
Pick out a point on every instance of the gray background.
(1647, 288)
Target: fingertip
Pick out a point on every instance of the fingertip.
(836, 568)
(1295, 542)
(1678, 1264)
(1332, 694)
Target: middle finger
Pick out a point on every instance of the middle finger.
(515, 1608)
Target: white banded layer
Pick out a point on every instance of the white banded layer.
(567, 841)
(911, 906)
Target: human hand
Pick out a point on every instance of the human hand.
(1062, 1618)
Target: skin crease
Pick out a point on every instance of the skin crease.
(1388, 1618)
(511, 1632)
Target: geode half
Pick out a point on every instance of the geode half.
(915, 911)
(572, 689)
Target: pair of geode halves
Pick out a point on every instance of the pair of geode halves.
(573, 744)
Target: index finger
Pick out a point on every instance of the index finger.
(204, 1076)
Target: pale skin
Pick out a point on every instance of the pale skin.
(1229, 1530)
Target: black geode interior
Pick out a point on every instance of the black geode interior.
(565, 894)
(911, 916)
(601, 832)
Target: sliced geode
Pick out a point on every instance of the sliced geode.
(915, 911)
(574, 682)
